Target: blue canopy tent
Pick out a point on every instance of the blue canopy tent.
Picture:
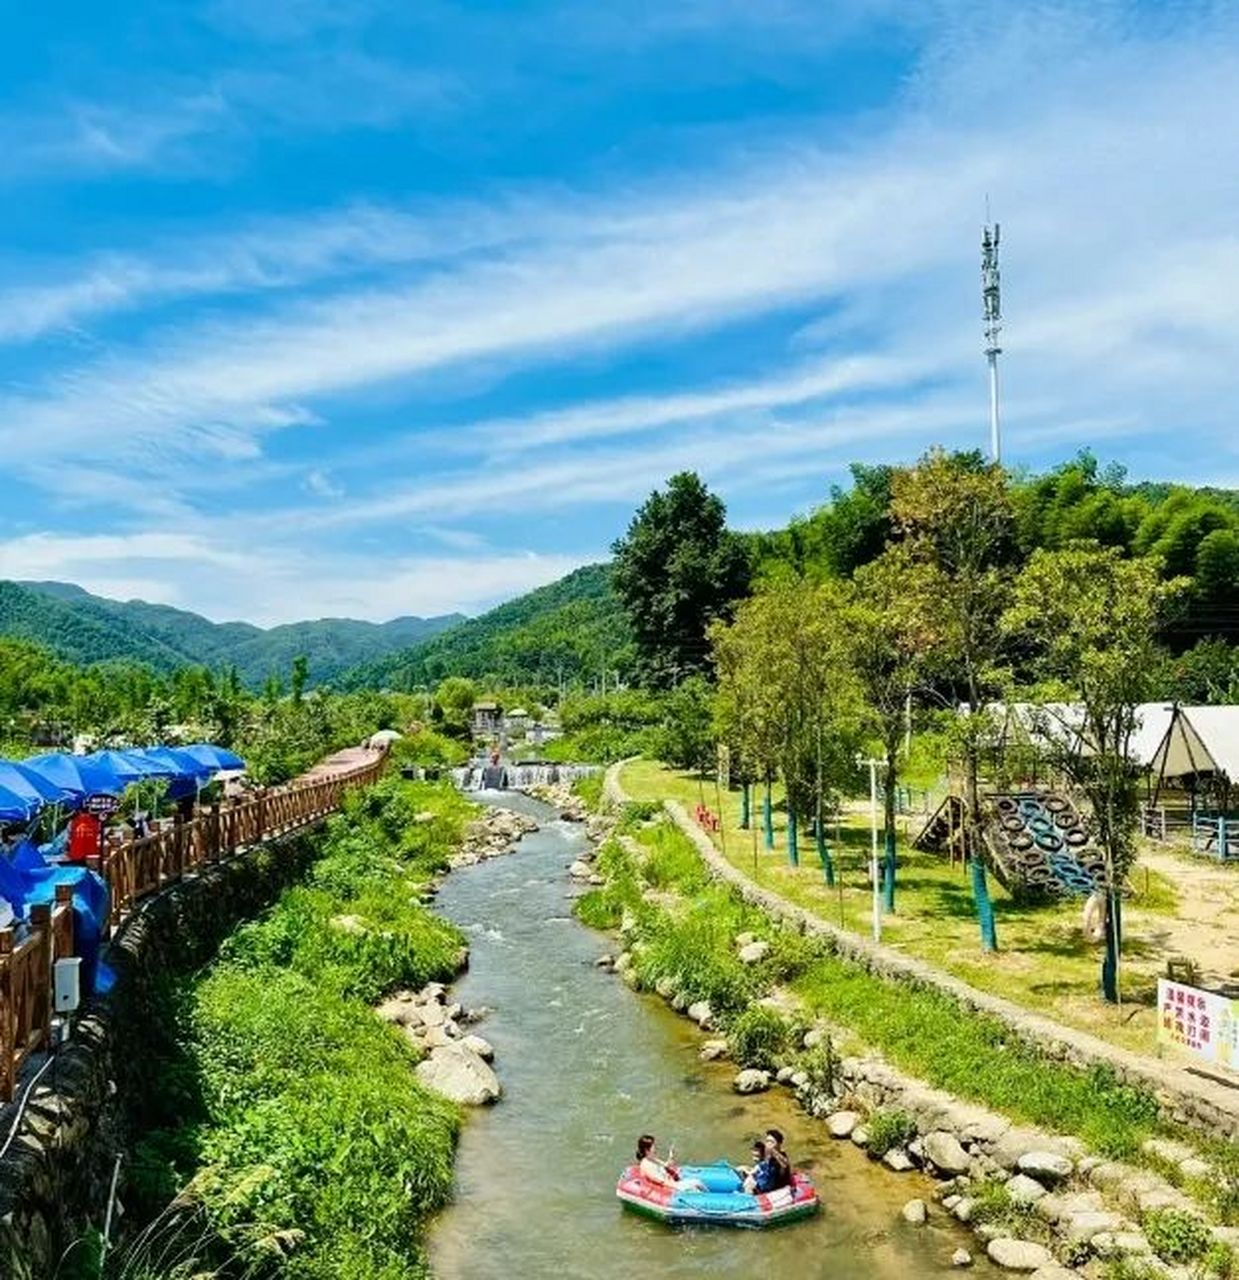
(128, 766)
(213, 756)
(16, 806)
(15, 776)
(77, 776)
(174, 763)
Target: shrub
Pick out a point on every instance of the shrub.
(1176, 1236)
(760, 1037)
(889, 1129)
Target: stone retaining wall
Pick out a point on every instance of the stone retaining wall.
(1185, 1099)
(56, 1176)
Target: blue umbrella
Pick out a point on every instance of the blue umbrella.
(213, 756)
(38, 791)
(78, 776)
(173, 763)
(15, 806)
(127, 766)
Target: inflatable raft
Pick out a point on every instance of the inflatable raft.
(723, 1201)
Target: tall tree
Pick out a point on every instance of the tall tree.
(676, 570)
(953, 515)
(1094, 617)
(888, 638)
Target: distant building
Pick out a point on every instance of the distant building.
(486, 719)
(516, 721)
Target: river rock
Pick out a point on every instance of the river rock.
(755, 952)
(1046, 1166)
(1055, 1271)
(432, 1015)
(1018, 1255)
(1082, 1227)
(401, 1010)
(483, 1048)
(580, 870)
(842, 1123)
(459, 1074)
(814, 1037)
(701, 1013)
(963, 1208)
(743, 939)
(751, 1080)
(1024, 1190)
(961, 1258)
(784, 1075)
(916, 1212)
(860, 1136)
(713, 1049)
(665, 986)
(604, 962)
(943, 1151)
(898, 1160)
(437, 1037)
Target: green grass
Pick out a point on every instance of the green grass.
(290, 1110)
(1043, 962)
(923, 1032)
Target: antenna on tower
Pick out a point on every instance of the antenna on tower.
(991, 301)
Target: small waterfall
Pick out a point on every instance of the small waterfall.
(478, 776)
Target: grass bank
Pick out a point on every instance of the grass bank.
(680, 928)
(1043, 962)
(283, 1116)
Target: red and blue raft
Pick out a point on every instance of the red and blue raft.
(724, 1200)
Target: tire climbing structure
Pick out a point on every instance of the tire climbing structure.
(1036, 842)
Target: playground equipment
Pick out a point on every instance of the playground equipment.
(1035, 841)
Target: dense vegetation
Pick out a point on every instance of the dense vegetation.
(572, 631)
(84, 628)
(44, 699)
(287, 1120)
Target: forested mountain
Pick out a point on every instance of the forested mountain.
(571, 630)
(86, 628)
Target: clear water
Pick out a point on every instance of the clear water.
(586, 1066)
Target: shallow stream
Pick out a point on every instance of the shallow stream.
(586, 1066)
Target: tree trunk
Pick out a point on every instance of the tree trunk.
(768, 816)
(793, 842)
(744, 806)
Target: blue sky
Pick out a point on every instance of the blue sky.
(366, 308)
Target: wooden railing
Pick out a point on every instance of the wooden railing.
(133, 871)
(26, 969)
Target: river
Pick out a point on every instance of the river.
(587, 1065)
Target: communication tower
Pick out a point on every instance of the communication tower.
(991, 300)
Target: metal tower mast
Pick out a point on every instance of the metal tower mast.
(991, 300)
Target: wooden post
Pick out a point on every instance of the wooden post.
(8, 1017)
(41, 1014)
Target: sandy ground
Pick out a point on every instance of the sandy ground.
(1205, 928)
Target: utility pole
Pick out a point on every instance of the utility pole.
(991, 302)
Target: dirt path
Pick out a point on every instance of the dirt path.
(1205, 926)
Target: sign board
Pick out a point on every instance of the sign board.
(1201, 1023)
(101, 804)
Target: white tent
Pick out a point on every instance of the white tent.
(1200, 740)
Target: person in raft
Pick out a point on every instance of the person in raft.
(774, 1170)
(654, 1169)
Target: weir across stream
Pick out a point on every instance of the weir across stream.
(586, 1066)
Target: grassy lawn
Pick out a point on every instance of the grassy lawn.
(1043, 962)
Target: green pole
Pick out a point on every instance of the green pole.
(1110, 961)
(744, 807)
(823, 852)
(888, 878)
(793, 845)
(985, 908)
(768, 816)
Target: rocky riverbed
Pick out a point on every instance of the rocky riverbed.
(491, 835)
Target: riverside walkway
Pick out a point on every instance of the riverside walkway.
(135, 870)
(1186, 1097)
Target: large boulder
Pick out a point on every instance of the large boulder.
(713, 1049)
(701, 1013)
(750, 1080)
(916, 1212)
(943, 1151)
(1018, 1255)
(458, 1073)
(483, 1048)
(1024, 1190)
(754, 952)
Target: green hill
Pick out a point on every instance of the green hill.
(86, 628)
(568, 630)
